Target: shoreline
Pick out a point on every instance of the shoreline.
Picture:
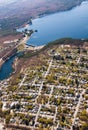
(23, 42)
(50, 13)
(30, 47)
(1, 62)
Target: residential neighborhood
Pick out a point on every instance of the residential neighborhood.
(51, 96)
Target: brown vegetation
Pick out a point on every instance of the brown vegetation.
(32, 59)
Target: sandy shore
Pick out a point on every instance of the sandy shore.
(30, 47)
(1, 62)
(34, 48)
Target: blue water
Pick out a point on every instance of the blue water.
(6, 68)
(72, 23)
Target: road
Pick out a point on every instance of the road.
(37, 115)
(41, 89)
(23, 41)
(78, 105)
(77, 108)
(22, 81)
(78, 61)
(50, 93)
(55, 114)
(50, 64)
(45, 76)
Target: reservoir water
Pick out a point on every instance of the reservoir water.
(72, 23)
(6, 68)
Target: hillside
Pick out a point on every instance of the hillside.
(34, 58)
(32, 7)
(17, 12)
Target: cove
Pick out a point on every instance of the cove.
(72, 23)
(7, 69)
